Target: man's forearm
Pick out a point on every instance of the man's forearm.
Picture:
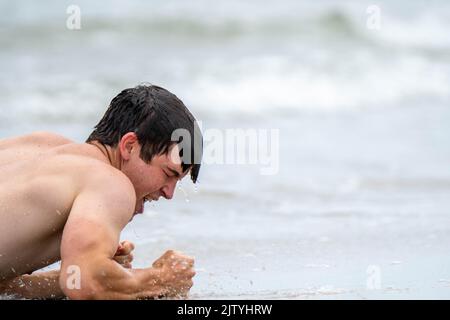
(137, 284)
(38, 285)
(99, 277)
(107, 279)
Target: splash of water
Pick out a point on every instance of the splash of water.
(186, 196)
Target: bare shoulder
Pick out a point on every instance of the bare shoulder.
(107, 182)
(105, 193)
(45, 138)
(108, 178)
(85, 173)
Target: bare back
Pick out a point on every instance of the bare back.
(40, 176)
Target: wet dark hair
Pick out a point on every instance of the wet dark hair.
(153, 113)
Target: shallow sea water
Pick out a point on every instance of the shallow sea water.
(359, 208)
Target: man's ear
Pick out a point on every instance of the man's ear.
(126, 144)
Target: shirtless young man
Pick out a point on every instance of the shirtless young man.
(61, 200)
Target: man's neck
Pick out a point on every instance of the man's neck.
(110, 155)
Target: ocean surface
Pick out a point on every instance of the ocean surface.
(359, 206)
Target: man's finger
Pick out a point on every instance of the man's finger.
(187, 261)
(125, 247)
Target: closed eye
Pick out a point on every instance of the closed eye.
(174, 173)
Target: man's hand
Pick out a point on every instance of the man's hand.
(123, 255)
(176, 273)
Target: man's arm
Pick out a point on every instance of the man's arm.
(38, 285)
(90, 239)
(45, 284)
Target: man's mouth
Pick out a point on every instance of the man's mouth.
(140, 204)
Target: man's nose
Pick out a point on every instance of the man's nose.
(169, 190)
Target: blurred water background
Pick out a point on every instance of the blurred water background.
(362, 195)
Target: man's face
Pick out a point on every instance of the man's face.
(155, 179)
